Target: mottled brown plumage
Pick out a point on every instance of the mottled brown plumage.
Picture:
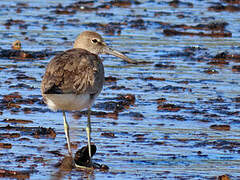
(75, 71)
(74, 78)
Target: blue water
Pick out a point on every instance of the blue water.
(170, 145)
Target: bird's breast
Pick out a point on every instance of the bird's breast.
(68, 102)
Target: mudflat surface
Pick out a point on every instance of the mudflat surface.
(176, 116)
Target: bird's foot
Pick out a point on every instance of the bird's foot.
(89, 166)
(92, 166)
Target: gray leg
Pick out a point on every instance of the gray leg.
(66, 130)
(88, 129)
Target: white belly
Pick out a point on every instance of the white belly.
(68, 102)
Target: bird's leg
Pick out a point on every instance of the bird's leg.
(88, 129)
(66, 130)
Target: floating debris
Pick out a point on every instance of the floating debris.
(211, 71)
(37, 132)
(124, 101)
(172, 32)
(41, 131)
(26, 55)
(220, 8)
(220, 127)
(5, 145)
(236, 68)
(169, 107)
(161, 100)
(136, 115)
(223, 177)
(16, 45)
(14, 174)
(177, 3)
(127, 98)
(17, 121)
(165, 66)
(110, 79)
(108, 135)
(9, 135)
(154, 78)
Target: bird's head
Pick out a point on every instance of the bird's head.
(94, 43)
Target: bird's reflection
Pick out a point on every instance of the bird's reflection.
(67, 170)
(81, 164)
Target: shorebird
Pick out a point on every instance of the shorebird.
(74, 78)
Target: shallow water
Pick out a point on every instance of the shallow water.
(167, 144)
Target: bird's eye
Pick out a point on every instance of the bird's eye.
(94, 40)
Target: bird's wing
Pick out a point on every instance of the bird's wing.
(75, 71)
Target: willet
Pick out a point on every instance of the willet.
(74, 78)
